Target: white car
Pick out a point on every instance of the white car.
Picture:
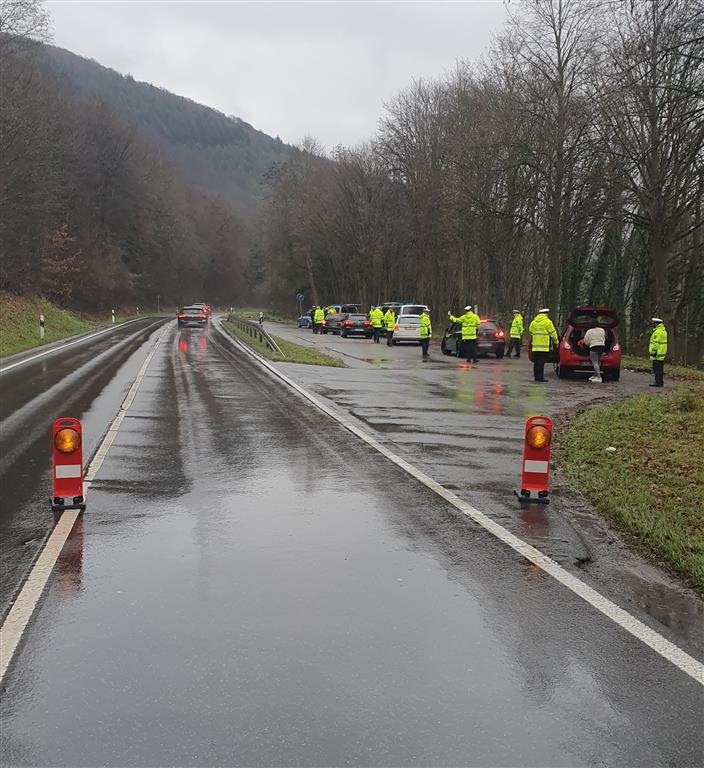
(411, 309)
(407, 328)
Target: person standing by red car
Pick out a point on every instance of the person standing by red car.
(595, 342)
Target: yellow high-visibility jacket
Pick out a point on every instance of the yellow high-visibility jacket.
(318, 316)
(377, 317)
(517, 327)
(389, 319)
(658, 343)
(426, 329)
(470, 323)
(542, 333)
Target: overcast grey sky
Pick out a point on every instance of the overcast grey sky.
(288, 68)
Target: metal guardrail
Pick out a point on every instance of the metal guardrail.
(255, 330)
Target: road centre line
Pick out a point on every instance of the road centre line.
(661, 645)
(19, 615)
(60, 347)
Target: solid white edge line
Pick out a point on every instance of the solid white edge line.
(661, 645)
(59, 347)
(19, 615)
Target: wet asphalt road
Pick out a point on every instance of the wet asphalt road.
(463, 425)
(251, 585)
(86, 380)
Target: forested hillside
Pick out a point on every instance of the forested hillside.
(218, 153)
(114, 192)
(567, 167)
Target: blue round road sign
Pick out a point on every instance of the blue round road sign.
(300, 297)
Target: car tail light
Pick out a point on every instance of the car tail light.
(181, 317)
(499, 334)
(348, 322)
(367, 322)
(201, 316)
(396, 327)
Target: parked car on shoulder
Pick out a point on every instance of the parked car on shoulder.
(572, 356)
(407, 329)
(411, 309)
(491, 338)
(304, 321)
(192, 317)
(333, 322)
(356, 325)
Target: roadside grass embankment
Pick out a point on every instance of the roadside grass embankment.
(681, 372)
(640, 463)
(252, 313)
(294, 353)
(19, 323)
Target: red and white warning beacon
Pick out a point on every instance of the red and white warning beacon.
(67, 449)
(535, 470)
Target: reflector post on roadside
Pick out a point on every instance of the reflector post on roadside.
(67, 451)
(535, 466)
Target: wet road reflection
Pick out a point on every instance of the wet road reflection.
(87, 381)
(258, 589)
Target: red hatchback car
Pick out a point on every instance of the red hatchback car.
(572, 356)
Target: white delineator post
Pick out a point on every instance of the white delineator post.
(113, 317)
(41, 326)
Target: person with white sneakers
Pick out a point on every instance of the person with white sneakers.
(595, 342)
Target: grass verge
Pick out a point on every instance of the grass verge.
(683, 372)
(249, 313)
(295, 353)
(652, 484)
(19, 323)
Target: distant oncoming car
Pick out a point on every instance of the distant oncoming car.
(202, 305)
(353, 324)
(491, 338)
(192, 317)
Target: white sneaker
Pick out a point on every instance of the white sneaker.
(596, 379)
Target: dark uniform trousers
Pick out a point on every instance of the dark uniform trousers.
(539, 360)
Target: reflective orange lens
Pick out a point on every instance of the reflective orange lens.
(67, 440)
(538, 437)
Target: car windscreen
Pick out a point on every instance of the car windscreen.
(357, 318)
(409, 320)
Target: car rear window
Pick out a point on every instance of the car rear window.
(412, 309)
(408, 320)
(191, 311)
(489, 325)
(356, 317)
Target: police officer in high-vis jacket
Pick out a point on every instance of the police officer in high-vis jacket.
(657, 348)
(543, 337)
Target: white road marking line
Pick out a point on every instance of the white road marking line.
(60, 347)
(22, 609)
(661, 645)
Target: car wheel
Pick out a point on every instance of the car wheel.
(443, 348)
(562, 372)
(499, 353)
(615, 374)
(394, 342)
(343, 335)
